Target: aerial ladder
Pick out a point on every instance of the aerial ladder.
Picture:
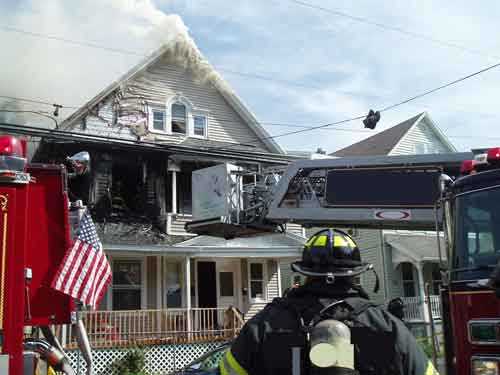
(457, 195)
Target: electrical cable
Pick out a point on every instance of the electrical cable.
(32, 112)
(393, 28)
(388, 108)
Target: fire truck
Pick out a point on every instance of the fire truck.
(457, 195)
(36, 219)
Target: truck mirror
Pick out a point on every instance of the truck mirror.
(80, 163)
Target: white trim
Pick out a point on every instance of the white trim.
(264, 281)
(280, 290)
(143, 289)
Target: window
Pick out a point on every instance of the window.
(173, 287)
(127, 284)
(408, 278)
(179, 118)
(256, 280)
(200, 126)
(158, 120)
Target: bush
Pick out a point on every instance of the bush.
(131, 364)
(426, 345)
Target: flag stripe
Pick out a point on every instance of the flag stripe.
(84, 272)
(103, 282)
(76, 267)
(67, 262)
(88, 293)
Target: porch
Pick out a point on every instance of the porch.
(416, 307)
(155, 327)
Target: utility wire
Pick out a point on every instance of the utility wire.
(32, 112)
(393, 28)
(36, 101)
(133, 53)
(388, 108)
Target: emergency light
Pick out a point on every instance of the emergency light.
(481, 161)
(12, 156)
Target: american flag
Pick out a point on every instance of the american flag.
(84, 272)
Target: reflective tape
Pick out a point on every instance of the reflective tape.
(320, 241)
(230, 366)
(430, 369)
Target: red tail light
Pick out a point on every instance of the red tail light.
(494, 155)
(467, 166)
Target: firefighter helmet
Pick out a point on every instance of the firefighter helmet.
(331, 253)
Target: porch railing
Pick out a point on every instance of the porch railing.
(414, 308)
(122, 328)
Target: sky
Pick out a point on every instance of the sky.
(289, 63)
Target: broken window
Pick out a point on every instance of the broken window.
(179, 118)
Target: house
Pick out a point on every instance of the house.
(168, 116)
(405, 261)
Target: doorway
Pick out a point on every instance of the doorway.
(207, 284)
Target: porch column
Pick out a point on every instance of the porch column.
(187, 273)
(173, 168)
(421, 288)
(174, 192)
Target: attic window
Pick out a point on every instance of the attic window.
(179, 118)
(158, 120)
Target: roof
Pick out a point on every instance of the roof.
(381, 143)
(216, 80)
(266, 241)
(414, 248)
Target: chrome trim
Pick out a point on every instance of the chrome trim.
(477, 190)
(495, 322)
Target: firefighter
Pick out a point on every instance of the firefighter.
(328, 325)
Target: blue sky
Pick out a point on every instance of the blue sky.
(324, 67)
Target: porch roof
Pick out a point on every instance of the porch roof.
(414, 248)
(275, 245)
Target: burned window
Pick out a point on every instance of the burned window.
(179, 118)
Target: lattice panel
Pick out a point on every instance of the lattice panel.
(160, 359)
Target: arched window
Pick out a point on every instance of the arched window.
(179, 118)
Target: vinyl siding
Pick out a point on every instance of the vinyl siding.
(286, 273)
(420, 134)
(155, 86)
(369, 243)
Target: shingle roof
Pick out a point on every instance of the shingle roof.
(381, 143)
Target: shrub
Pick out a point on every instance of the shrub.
(131, 364)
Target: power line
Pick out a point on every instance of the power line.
(388, 108)
(133, 53)
(31, 112)
(37, 102)
(393, 28)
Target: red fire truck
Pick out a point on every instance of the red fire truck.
(35, 233)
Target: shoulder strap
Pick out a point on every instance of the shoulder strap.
(359, 305)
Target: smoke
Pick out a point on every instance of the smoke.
(70, 74)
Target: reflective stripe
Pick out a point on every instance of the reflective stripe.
(430, 369)
(230, 366)
(340, 242)
(51, 371)
(351, 242)
(320, 241)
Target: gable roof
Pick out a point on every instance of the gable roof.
(381, 143)
(216, 80)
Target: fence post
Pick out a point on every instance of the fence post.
(431, 322)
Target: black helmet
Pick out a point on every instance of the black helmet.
(331, 253)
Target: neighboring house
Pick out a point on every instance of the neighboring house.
(164, 119)
(405, 261)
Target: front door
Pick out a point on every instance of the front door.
(207, 284)
(228, 281)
